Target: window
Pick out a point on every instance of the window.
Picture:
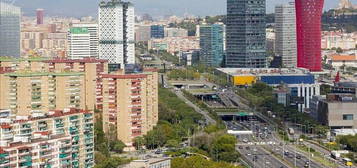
(348, 117)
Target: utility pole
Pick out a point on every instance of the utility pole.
(309, 156)
(295, 153)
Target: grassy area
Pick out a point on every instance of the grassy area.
(203, 106)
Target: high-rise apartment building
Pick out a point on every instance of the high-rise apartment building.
(116, 33)
(246, 34)
(9, 30)
(55, 139)
(50, 72)
(78, 43)
(130, 104)
(157, 31)
(285, 34)
(212, 44)
(34, 93)
(93, 36)
(39, 16)
(308, 27)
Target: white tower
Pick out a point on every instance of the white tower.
(78, 43)
(116, 33)
(285, 31)
(93, 32)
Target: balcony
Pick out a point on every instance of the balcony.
(36, 103)
(13, 98)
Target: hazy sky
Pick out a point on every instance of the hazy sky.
(154, 7)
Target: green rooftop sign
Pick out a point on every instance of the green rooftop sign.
(79, 30)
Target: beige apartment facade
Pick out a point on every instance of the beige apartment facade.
(130, 104)
(33, 93)
(91, 68)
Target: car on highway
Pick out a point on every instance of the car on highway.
(247, 148)
(240, 147)
(298, 156)
(245, 140)
(286, 153)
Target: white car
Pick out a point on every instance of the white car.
(245, 140)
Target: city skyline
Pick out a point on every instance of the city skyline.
(157, 8)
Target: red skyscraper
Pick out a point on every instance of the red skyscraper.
(308, 27)
(39, 14)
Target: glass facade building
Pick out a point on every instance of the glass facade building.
(9, 30)
(246, 34)
(285, 34)
(212, 44)
(157, 31)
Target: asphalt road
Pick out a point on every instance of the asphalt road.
(264, 144)
(255, 155)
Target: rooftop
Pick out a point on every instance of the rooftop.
(79, 30)
(32, 74)
(51, 60)
(112, 3)
(263, 71)
(343, 58)
(347, 84)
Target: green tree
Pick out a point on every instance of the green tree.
(155, 138)
(339, 50)
(117, 146)
(99, 157)
(139, 142)
(223, 148)
(172, 143)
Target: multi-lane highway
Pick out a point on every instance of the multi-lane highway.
(263, 149)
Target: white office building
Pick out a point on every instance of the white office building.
(9, 30)
(285, 34)
(78, 43)
(116, 33)
(93, 37)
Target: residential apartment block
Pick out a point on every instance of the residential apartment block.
(129, 101)
(53, 76)
(175, 44)
(345, 41)
(56, 139)
(33, 93)
(130, 104)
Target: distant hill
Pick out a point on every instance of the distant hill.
(79, 8)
